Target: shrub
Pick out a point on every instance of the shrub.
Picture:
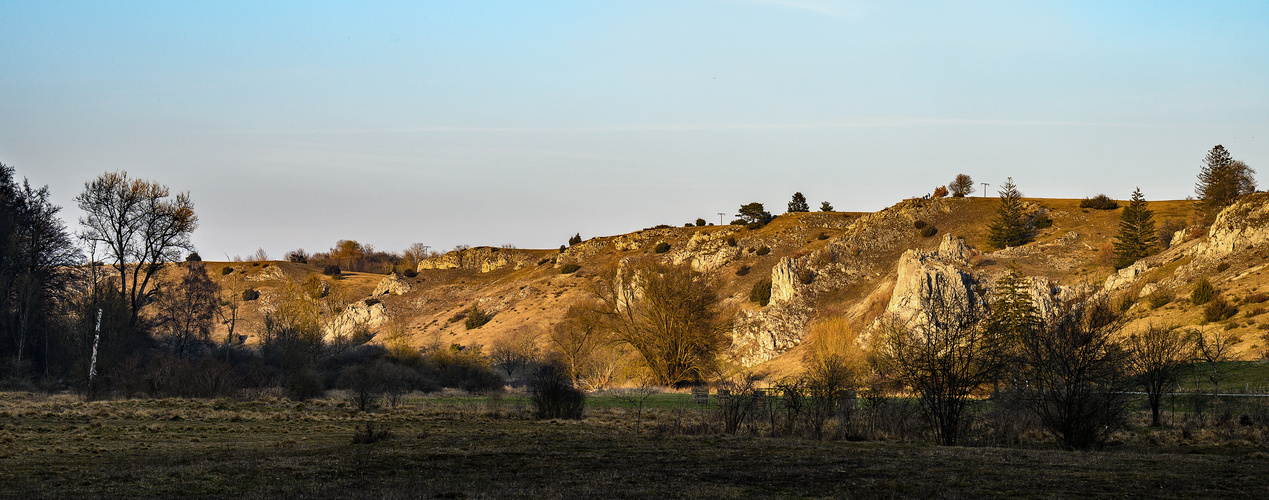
(822, 236)
(1203, 292)
(919, 224)
(1257, 298)
(1219, 310)
(367, 434)
(1099, 202)
(806, 276)
(1042, 221)
(1159, 299)
(332, 270)
(193, 257)
(700, 222)
(409, 273)
(662, 247)
(577, 238)
(226, 270)
(570, 268)
(553, 396)
(929, 231)
(764, 250)
(1224, 266)
(298, 256)
(742, 271)
(371, 301)
(476, 318)
(761, 292)
(250, 294)
(1166, 230)
(731, 241)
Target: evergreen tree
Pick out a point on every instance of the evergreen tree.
(1011, 227)
(826, 206)
(1013, 315)
(577, 238)
(1222, 180)
(798, 204)
(1137, 236)
(754, 215)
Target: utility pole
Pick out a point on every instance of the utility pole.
(720, 217)
(985, 189)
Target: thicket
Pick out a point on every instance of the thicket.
(1099, 202)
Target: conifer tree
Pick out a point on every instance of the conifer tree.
(1013, 315)
(798, 204)
(1137, 236)
(1221, 181)
(826, 206)
(1011, 227)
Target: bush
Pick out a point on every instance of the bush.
(476, 318)
(569, 268)
(1099, 202)
(1042, 221)
(371, 301)
(743, 270)
(929, 231)
(298, 256)
(1203, 292)
(1224, 266)
(409, 273)
(764, 250)
(1219, 310)
(1257, 298)
(553, 396)
(919, 224)
(226, 270)
(731, 241)
(332, 270)
(193, 257)
(577, 238)
(806, 276)
(250, 294)
(822, 236)
(700, 222)
(1159, 299)
(761, 292)
(662, 247)
(367, 434)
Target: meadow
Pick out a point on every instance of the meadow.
(452, 445)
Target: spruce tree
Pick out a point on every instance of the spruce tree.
(798, 204)
(1013, 314)
(1137, 236)
(1221, 181)
(1011, 227)
(826, 206)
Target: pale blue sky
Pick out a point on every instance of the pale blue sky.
(484, 123)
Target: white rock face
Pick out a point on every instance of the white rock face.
(358, 314)
(784, 280)
(391, 284)
(1125, 276)
(1242, 225)
(922, 275)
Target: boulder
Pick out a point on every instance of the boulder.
(391, 284)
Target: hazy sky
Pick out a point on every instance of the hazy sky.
(485, 123)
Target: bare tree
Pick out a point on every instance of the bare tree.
(1156, 355)
(961, 186)
(1214, 346)
(669, 315)
(1072, 374)
(944, 357)
(141, 227)
(577, 336)
(514, 351)
(186, 310)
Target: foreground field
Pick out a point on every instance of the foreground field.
(57, 447)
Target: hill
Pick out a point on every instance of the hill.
(823, 265)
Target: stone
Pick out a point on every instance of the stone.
(391, 284)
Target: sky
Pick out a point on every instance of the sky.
(298, 124)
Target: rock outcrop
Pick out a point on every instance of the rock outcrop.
(391, 284)
(1242, 225)
(924, 276)
(483, 259)
(368, 314)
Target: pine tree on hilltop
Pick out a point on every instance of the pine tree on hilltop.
(798, 204)
(1221, 181)
(826, 206)
(1011, 227)
(1137, 236)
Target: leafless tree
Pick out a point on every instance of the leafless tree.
(669, 315)
(577, 336)
(186, 310)
(944, 358)
(1214, 346)
(514, 351)
(1073, 374)
(141, 227)
(1156, 355)
(961, 186)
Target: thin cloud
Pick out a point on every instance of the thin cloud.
(714, 127)
(841, 10)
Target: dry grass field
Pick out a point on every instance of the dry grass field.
(467, 447)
